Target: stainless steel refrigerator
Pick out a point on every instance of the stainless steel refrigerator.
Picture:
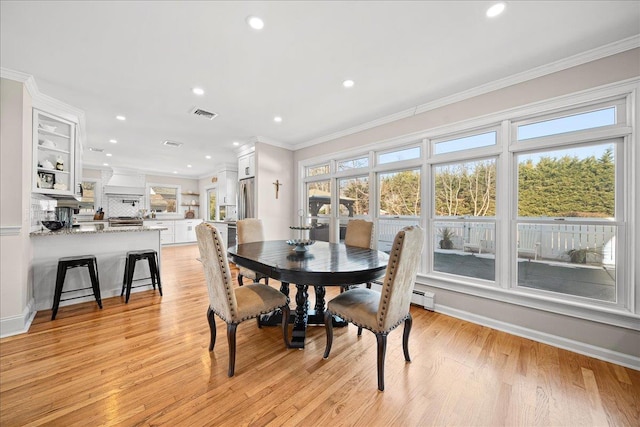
(246, 199)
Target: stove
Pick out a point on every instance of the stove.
(124, 221)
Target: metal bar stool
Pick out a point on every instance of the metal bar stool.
(65, 264)
(130, 265)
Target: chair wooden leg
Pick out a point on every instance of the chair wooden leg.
(240, 279)
(368, 285)
(266, 280)
(328, 325)
(382, 350)
(405, 337)
(231, 339)
(212, 328)
(286, 312)
(359, 331)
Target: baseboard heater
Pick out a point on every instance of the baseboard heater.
(425, 299)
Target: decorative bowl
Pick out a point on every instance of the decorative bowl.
(47, 143)
(53, 225)
(48, 127)
(300, 244)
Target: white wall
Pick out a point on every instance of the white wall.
(16, 305)
(274, 164)
(599, 339)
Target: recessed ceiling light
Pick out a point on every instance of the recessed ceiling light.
(109, 154)
(113, 141)
(207, 156)
(105, 164)
(255, 22)
(236, 143)
(122, 118)
(495, 10)
(277, 119)
(198, 90)
(188, 166)
(175, 171)
(348, 83)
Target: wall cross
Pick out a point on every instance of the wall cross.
(277, 184)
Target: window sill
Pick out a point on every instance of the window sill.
(610, 316)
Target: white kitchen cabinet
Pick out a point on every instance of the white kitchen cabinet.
(227, 187)
(185, 230)
(247, 166)
(167, 237)
(223, 228)
(56, 156)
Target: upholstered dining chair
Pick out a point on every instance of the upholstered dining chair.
(359, 233)
(233, 305)
(250, 230)
(381, 312)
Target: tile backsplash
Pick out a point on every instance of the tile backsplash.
(124, 205)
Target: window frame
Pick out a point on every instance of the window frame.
(623, 93)
(178, 188)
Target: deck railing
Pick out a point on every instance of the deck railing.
(555, 241)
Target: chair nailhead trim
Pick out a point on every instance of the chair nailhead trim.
(392, 268)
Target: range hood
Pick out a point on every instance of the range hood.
(125, 182)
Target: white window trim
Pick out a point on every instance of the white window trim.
(627, 318)
(178, 188)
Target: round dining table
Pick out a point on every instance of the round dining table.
(322, 264)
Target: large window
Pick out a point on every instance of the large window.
(566, 220)
(163, 198)
(463, 223)
(531, 206)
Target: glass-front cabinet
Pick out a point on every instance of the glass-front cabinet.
(54, 154)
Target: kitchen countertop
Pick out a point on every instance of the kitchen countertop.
(95, 229)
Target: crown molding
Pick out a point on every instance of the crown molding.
(610, 49)
(266, 140)
(46, 102)
(24, 78)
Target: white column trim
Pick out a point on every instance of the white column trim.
(10, 230)
(20, 324)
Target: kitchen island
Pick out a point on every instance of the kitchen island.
(108, 244)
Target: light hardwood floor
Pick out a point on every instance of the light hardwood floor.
(147, 363)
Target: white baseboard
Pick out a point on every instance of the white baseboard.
(605, 354)
(19, 324)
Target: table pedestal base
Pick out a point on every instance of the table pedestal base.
(303, 315)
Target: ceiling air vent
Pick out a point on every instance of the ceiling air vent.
(172, 144)
(203, 113)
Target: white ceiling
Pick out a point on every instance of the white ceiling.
(141, 59)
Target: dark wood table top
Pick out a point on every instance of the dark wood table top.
(323, 264)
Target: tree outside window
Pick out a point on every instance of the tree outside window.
(400, 193)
